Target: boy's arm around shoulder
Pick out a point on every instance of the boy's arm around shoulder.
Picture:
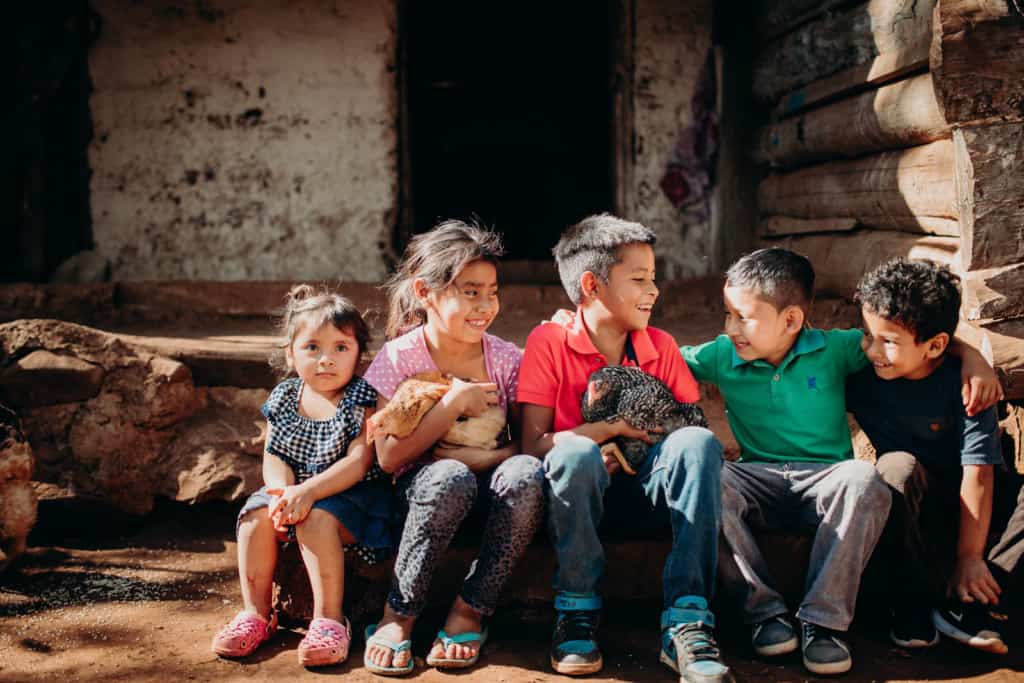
(702, 359)
(671, 369)
(980, 384)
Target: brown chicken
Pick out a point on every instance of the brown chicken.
(416, 396)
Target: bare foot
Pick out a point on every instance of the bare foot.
(394, 628)
(461, 619)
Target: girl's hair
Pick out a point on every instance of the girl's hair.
(305, 304)
(436, 257)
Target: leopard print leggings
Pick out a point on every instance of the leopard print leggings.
(437, 498)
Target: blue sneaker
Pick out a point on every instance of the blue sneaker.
(574, 649)
(688, 644)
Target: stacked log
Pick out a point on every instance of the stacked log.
(897, 128)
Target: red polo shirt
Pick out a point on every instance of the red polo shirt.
(559, 359)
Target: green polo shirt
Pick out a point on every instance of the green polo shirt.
(793, 412)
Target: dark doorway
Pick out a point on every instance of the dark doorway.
(508, 116)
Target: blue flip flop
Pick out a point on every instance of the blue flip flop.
(372, 639)
(458, 639)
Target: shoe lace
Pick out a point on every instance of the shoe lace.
(576, 626)
(697, 641)
(812, 631)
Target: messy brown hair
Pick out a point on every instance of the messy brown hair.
(305, 304)
(436, 257)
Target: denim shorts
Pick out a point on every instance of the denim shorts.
(364, 509)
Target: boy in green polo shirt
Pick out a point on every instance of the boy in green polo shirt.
(783, 385)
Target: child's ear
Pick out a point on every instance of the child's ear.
(289, 361)
(420, 289)
(937, 345)
(794, 319)
(588, 284)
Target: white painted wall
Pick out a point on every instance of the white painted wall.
(244, 139)
(671, 43)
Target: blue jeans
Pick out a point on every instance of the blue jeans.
(683, 473)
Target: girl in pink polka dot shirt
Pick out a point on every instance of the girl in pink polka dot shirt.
(442, 300)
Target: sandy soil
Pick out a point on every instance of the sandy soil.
(99, 598)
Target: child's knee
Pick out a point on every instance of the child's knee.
(896, 467)
(317, 525)
(450, 482)
(576, 459)
(254, 523)
(863, 482)
(521, 477)
(694, 446)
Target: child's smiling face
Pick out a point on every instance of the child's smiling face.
(323, 357)
(894, 350)
(630, 293)
(757, 329)
(467, 307)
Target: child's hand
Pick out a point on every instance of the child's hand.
(471, 398)
(628, 431)
(981, 388)
(972, 581)
(611, 463)
(293, 504)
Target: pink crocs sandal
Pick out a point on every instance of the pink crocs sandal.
(326, 642)
(246, 632)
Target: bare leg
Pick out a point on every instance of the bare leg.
(257, 557)
(395, 628)
(321, 537)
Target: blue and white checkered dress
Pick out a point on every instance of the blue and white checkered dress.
(311, 446)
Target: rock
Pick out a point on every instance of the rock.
(85, 266)
(18, 503)
(132, 425)
(45, 378)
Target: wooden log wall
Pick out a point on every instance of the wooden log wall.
(897, 128)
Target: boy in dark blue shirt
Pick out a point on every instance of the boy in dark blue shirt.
(939, 461)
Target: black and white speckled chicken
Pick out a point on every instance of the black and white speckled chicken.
(618, 392)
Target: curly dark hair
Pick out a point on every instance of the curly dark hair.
(781, 277)
(593, 244)
(922, 296)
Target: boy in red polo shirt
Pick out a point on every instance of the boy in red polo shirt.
(606, 265)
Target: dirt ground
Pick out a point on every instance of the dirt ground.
(100, 598)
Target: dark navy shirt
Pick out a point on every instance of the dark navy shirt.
(925, 417)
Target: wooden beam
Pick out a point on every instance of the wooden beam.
(994, 293)
(779, 17)
(841, 260)
(879, 71)
(990, 194)
(834, 43)
(978, 60)
(1003, 343)
(775, 226)
(912, 190)
(903, 114)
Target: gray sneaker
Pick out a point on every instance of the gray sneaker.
(824, 651)
(774, 636)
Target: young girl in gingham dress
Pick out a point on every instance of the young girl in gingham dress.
(323, 486)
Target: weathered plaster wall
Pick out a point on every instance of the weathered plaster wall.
(672, 41)
(244, 139)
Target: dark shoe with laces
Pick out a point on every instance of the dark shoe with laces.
(912, 628)
(773, 637)
(574, 649)
(824, 651)
(688, 644)
(972, 624)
